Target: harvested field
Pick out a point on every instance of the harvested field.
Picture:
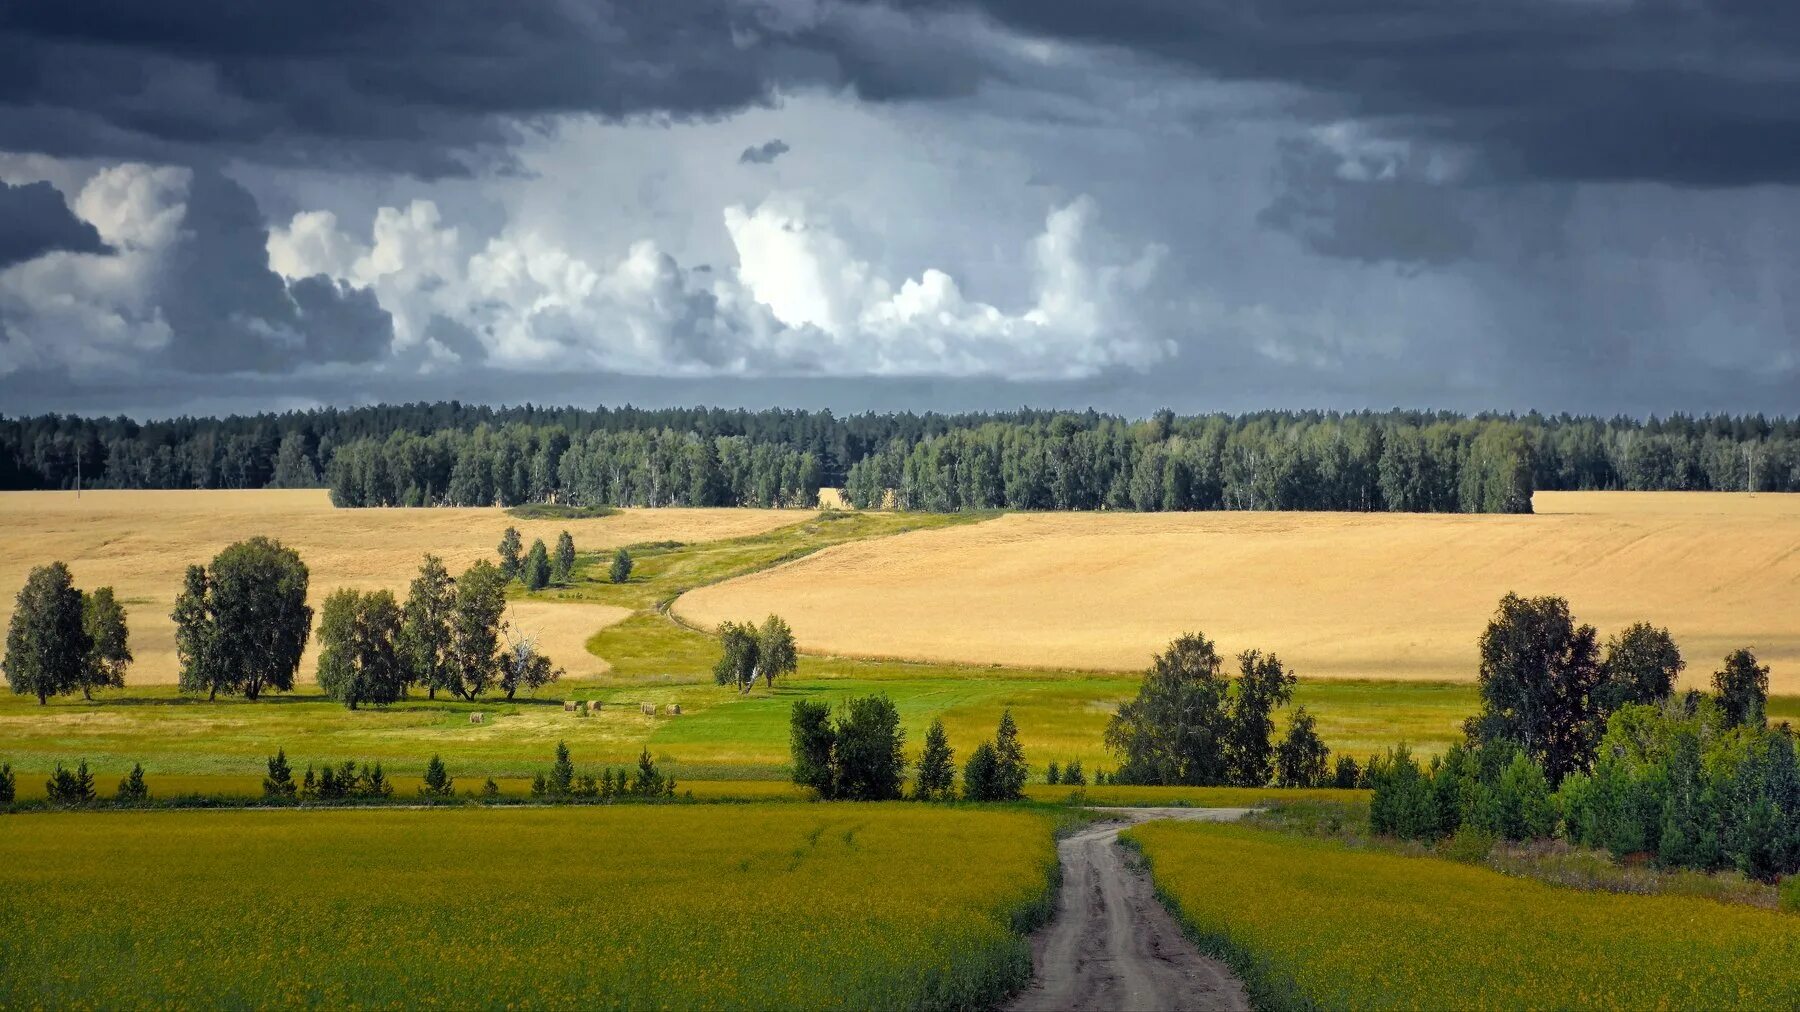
(141, 542)
(1378, 596)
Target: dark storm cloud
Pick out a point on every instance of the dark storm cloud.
(764, 153)
(34, 221)
(1699, 93)
(1401, 217)
(228, 312)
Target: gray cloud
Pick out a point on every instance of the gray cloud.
(34, 220)
(764, 153)
(1399, 216)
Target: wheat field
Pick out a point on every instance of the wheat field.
(1383, 596)
(141, 542)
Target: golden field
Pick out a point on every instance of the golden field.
(141, 542)
(1336, 595)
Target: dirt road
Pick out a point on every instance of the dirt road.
(1111, 945)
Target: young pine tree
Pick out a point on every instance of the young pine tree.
(562, 772)
(536, 573)
(512, 553)
(937, 774)
(279, 784)
(9, 787)
(621, 566)
(438, 783)
(1010, 771)
(132, 789)
(980, 774)
(564, 565)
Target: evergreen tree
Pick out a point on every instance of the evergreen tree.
(426, 628)
(620, 571)
(104, 619)
(132, 790)
(562, 772)
(536, 571)
(1072, 774)
(937, 772)
(47, 644)
(776, 653)
(359, 656)
(565, 558)
(1301, 758)
(8, 786)
(511, 553)
(279, 784)
(1053, 775)
(1743, 688)
(1010, 771)
(981, 774)
(438, 783)
(70, 788)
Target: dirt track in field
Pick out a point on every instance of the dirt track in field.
(1111, 945)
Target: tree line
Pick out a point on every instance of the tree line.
(860, 755)
(1593, 742)
(411, 449)
(242, 624)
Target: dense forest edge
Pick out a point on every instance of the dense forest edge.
(453, 454)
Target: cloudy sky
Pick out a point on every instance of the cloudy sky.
(1582, 205)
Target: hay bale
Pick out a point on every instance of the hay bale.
(570, 706)
(476, 718)
(675, 709)
(593, 706)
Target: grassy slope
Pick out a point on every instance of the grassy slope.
(754, 906)
(1314, 922)
(654, 659)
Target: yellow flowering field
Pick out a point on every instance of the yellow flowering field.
(695, 906)
(1359, 930)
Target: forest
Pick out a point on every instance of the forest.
(450, 453)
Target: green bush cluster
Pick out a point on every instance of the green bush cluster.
(1493, 789)
(562, 782)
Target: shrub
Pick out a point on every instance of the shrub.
(1789, 893)
(1402, 804)
(8, 786)
(1073, 775)
(536, 569)
(490, 790)
(620, 571)
(279, 784)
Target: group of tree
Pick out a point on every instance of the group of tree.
(61, 639)
(242, 623)
(68, 788)
(1191, 725)
(562, 782)
(861, 756)
(1070, 775)
(1595, 742)
(453, 453)
(537, 568)
(747, 652)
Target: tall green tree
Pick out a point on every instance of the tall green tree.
(242, 623)
(427, 628)
(360, 660)
(937, 773)
(811, 739)
(620, 571)
(1175, 730)
(1301, 758)
(738, 647)
(776, 653)
(1743, 688)
(981, 774)
(47, 644)
(564, 566)
(512, 553)
(869, 754)
(536, 569)
(1262, 685)
(1539, 671)
(1640, 666)
(104, 619)
(474, 658)
(1010, 771)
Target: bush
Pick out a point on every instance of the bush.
(1469, 844)
(279, 784)
(8, 786)
(1789, 893)
(1072, 774)
(1402, 804)
(620, 570)
(1053, 775)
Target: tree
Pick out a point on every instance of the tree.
(132, 790)
(536, 571)
(438, 783)
(621, 566)
(426, 628)
(523, 666)
(9, 787)
(47, 645)
(242, 623)
(1174, 731)
(359, 656)
(1641, 666)
(511, 553)
(562, 772)
(1262, 686)
(1538, 672)
(937, 774)
(1301, 758)
(1072, 774)
(811, 740)
(104, 619)
(1010, 771)
(1743, 688)
(980, 781)
(279, 784)
(564, 566)
(1346, 774)
(869, 757)
(776, 653)
(66, 788)
(739, 644)
(474, 658)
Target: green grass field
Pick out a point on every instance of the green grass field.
(1319, 925)
(749, 906)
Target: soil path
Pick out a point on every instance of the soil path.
(1111, 945)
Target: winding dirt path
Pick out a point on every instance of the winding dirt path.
(1111, 945)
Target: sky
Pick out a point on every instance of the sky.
(1591, 206)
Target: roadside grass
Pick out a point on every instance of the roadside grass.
(1311, 923)
(750, 906)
